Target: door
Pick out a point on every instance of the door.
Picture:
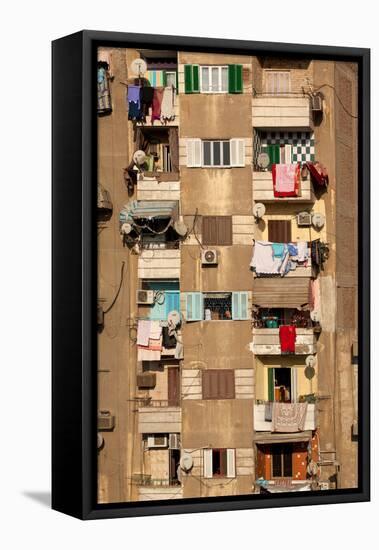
(173, 386)
(279, 231)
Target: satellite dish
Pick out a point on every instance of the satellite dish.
(100, 441)
(315, 316)
(181, 228)
(259, 210)
(263, 160)
(139, 157)
(138, 67)
(126, 228)
(186, 462)
(318, 220)
(310, 361)
(309, 372)
(173, 317)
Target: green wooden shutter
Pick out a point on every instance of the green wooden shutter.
(235, 84)
(164, 78)
(273, 152)
(195, 79)
(188, 86)
(270, 373)
(194, 306)
(240, 306)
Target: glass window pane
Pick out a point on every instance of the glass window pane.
(276, 462)
(226, 153)
(224, 79)
(205, 79)
(207, 153)
(216, 153)
(215, 84)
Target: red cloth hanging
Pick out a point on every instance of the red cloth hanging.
(287, 337)
(157, 103)
(285, 179)
(319, 173)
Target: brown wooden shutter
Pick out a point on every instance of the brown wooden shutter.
(279, 231)
(218, 384)
(173, 386)
(217, 230)
(290, 292)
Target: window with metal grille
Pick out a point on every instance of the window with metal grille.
(218, 306)
(218, 384)
(217, 230)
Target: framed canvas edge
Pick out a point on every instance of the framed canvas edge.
(86, 507)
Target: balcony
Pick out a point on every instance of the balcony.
(154, 188)
(163, 124)
(263, 190)
(159, 419)
(282, 112)
(261, 425)
(266, 341)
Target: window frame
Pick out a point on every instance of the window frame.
(272, 72)
(218, 372)
(282, 464)
(212, 142)
(209, 68)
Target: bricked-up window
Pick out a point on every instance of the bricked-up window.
(277, 82)
(281, 460)
(279, 231)
(218, 384)
(217, 230)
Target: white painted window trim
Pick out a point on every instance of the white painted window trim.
(275, 71)
(209, 67)
(212, 142)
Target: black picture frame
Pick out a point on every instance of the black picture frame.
(74, 410)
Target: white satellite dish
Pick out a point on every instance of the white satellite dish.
(310, 361)
(181, 228)
(100, 441)
(173, 317)
(138, 67)
(259, 210)
(318, 220)
(126, 228)
(263, 161)
(139, 157)
(186, 462)
(315, 316)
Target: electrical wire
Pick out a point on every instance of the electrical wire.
(337, 96)
(118, 291)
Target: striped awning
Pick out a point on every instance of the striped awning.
(151, 210)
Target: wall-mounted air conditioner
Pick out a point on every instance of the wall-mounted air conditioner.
(157, 441)
(174, 441)
(209, 257)
(324, 485)
(304, 219)
(147, 380)
(145, 297)
(316, 102)
(105, 421)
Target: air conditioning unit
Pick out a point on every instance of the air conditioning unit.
(324, 485)
(174, 441)
(147, 380)
(157, 441)
(316, 103)
(209, 257)
(145, 297)
(304, 219)
(105, 421)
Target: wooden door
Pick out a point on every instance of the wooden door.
(173, 386)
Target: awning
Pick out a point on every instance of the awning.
(268, 438)
(299, 487)
(136, 210)
(280, 292)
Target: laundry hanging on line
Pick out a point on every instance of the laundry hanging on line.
(278, 258)
(287, 338)
(286, 179)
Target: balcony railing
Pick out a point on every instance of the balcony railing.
(146, 480)
(263, 189)
(286, 112)
(266, 341)
(262, 425)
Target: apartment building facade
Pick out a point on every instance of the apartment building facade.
(195, 378)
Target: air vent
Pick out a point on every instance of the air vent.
(145, 297)
(316, 103)
(105, 421)
(209, 257)
(157, 441)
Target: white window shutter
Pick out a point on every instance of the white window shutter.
(207, 458)
(237, 152)
(230, 463)
(194, 153)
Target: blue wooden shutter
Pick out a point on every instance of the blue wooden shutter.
(240, 305)
(194, 306)
(172, 301)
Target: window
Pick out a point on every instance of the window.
(282, 385)
(216, 153)
(218, 384)
(277, 82)
(219, 463)
(217, 306)
(167, 298)
(217, 230)
(279, 231)
(161, 148)
(281, 460)
(214, 79)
